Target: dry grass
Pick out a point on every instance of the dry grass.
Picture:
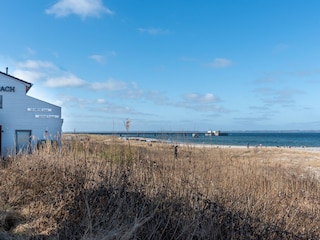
(103, 188)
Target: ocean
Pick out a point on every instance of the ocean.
(279, 139)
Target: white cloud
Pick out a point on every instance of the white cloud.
(97, 58)
(50, 74)
(101, 101)
(27, 75)
(153, 31)
(134, 92)
(200, 102)
(110, 85)
(102, 58)
(83, 8)
(36, 64)
(284, 97)
(197, 98)
(68, 80)
(220, 63)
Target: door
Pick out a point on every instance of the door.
(23, 141)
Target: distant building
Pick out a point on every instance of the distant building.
(25, 121)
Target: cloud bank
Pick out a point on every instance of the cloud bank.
(82, 8)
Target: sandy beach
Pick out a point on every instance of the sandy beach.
(303, 158)
(150, 140)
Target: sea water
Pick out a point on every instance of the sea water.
(279, 139)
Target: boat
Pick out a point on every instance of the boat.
(216, 133)
(194, 135)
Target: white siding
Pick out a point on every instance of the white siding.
(22, 112)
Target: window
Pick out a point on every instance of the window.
(0, 101)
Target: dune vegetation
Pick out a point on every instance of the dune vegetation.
(99, 187)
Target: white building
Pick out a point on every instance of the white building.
(25, 121)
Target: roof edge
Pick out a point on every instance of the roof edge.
(28, 85)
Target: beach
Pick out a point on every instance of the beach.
(303, 158)
(97, 185)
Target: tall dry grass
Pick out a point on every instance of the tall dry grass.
(100, 188)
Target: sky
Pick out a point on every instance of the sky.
(168, 65)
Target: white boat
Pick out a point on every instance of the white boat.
(215, 133)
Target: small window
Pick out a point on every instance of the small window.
(0, 101)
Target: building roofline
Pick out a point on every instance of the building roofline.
(28, 85)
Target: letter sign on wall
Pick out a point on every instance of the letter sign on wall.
(7, 89)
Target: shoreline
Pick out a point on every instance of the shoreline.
(150, 141)
(304, 158)
(204, 145)
(300, 141)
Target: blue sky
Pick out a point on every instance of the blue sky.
(168, 65)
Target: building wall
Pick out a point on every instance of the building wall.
(22, 112)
